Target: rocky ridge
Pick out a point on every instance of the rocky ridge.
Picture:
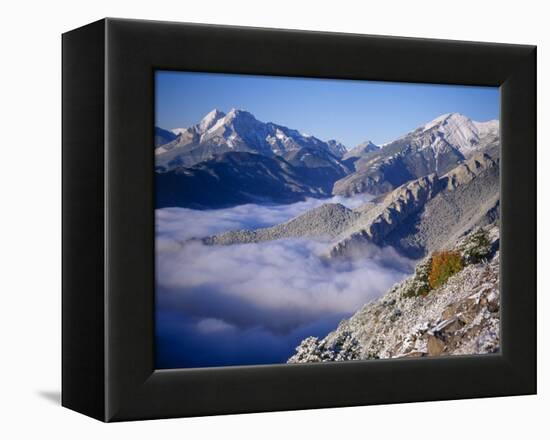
(407, 210)
(415, 218)
(328, 220)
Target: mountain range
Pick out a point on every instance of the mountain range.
(233, 158)
(433, 189)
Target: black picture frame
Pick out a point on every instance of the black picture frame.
(108, 223)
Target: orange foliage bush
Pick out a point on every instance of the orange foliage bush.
(444, 265)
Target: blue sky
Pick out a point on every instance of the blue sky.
(349, 111)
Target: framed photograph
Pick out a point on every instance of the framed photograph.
(261, 220)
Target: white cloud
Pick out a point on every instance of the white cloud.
(284, 277)
(254, 294)
(181, 224)
(212, 325)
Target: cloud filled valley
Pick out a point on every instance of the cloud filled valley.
(253, 303)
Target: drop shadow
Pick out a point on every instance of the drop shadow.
(51, 396)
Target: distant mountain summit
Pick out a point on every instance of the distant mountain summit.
(238, 130)
(361, 150)
(210, 120)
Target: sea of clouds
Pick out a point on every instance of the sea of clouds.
(253, 303)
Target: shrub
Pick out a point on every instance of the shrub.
(476, 247)
(444, 265)
(419, 284)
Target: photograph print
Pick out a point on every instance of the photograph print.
(302, 220)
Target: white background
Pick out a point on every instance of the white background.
(30, 186)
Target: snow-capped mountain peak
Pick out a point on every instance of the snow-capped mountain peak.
(237, 113)
(205, 124)
(458, 131)
(439, 120)
(239, 130)
(210, 120)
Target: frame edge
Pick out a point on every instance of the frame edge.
(83, 100)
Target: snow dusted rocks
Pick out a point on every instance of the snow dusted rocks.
(459, 317)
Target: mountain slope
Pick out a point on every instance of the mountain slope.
(427, 213)
(459, 317)
(318, 167)
(233, 178)
(436, 147)
(163, 137)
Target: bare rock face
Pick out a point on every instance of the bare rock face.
(459, 317)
